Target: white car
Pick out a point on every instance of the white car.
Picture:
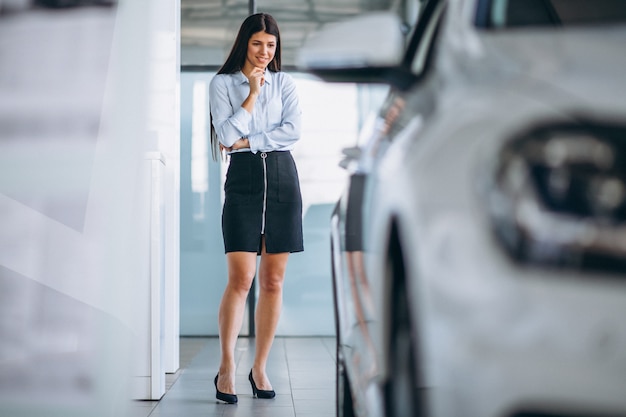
(479, 254)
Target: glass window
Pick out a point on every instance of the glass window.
(328, 126)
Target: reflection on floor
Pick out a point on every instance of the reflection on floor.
(301, 371)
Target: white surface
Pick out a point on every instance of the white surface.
(73, 116)
(373, 39)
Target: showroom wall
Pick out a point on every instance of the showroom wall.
(82, 90)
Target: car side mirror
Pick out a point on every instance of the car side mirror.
(365, 49)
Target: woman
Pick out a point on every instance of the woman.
(255, 118)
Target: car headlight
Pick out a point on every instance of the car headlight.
(558, 196)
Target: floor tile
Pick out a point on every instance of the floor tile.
(301, 369)
(313, 394)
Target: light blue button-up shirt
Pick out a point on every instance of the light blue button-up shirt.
(274, 125)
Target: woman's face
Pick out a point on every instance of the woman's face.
(261, 49)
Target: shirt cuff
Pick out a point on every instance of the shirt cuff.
(255, 142)
(241, 120)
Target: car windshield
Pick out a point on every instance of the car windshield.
(516, 13)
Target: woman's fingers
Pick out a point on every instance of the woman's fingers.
(257, 75)
(261, 72)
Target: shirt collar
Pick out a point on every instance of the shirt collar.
(268, 77)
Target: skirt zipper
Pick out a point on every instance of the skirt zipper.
(263, 156)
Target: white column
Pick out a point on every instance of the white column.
(157, 351)
(164, 119)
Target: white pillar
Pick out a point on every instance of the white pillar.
(164, 118)
(161, 346)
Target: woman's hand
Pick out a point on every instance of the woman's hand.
(256, 77)
(241, 144)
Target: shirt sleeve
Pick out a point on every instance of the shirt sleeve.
(230, 124)
(288, 131)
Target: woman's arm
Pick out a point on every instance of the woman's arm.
(230, 125)
(288, 131)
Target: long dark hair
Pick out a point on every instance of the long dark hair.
(259, 22)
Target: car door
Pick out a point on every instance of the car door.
(357, 290)
(359, 319)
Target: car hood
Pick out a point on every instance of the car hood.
(580, 67)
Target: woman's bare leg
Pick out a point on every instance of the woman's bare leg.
(271, 278)
(241, 271)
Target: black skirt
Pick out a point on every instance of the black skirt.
(262, 199)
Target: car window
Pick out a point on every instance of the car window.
(418, 65)
(518, 13)
(408, 11)
(420, 45)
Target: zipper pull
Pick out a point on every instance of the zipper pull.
(263, 155)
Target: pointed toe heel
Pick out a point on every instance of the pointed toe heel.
(222, 396)
(260, 393)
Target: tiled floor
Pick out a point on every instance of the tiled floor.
(301, 371)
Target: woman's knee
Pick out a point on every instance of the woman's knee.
(241, 270)
(241, 281)
(272, 283)
(272, 272)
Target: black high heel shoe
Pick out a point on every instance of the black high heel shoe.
(222, 396)
(260, 393)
